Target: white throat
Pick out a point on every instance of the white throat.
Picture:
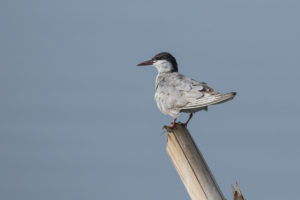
(163, 66)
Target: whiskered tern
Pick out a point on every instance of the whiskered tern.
(176, 93)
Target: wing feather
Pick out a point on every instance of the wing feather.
(210, 100)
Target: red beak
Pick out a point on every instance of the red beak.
(148, 62)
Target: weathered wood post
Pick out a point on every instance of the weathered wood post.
(237, 194)
(191, 166)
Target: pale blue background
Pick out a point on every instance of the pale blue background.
(78, 119)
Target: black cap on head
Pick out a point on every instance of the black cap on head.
(168, 57)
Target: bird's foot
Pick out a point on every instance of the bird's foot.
(173, 125)
(169, 128)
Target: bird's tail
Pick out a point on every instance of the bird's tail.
(211, 100)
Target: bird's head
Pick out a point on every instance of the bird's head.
(164, 62)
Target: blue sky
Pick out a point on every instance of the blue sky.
(78, 119)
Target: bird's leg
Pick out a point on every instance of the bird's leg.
(173, 124)
(186, 123)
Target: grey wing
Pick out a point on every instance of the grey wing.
(209, 96)
(186, 91)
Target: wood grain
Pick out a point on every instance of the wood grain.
(191, 166)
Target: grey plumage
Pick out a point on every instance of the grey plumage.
(175, 93)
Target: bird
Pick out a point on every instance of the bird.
(176, 93)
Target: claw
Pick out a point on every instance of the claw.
(173, 125)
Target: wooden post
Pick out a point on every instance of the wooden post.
(237, 194)
(191, 166)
